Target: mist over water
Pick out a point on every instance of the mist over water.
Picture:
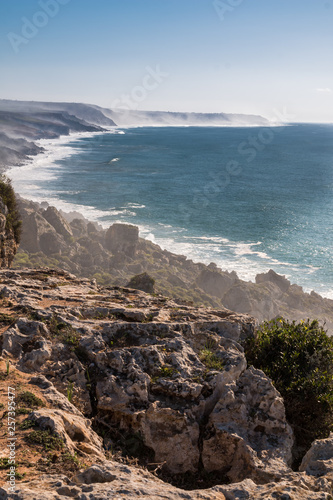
(235, 196)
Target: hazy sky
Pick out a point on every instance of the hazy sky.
(250, 56)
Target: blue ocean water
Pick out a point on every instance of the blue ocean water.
(249, 199)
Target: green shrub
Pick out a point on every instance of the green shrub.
(45, 439)
(13, 218)
(30, 400)
(298, 357)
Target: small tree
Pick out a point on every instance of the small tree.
(13, 218)
(298, 357)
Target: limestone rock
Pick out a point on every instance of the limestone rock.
(108, 481)
(122, 238)
(247, 435)
(174, 377)
(79, 228)
(53, 216)
(318, 461)
(53, 396)
(74, 430)
(38, 235)
(293, 486)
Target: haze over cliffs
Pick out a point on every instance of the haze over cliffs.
(23, 122)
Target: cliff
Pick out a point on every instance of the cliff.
(23, 122)
(116, 255)
(123, 394)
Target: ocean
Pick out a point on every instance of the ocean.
(248, 199)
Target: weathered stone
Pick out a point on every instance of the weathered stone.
(175, 377)
(247, 432)
(38, 235)
(318, 461)
(53, 216)
(122, 238)
(74, 430)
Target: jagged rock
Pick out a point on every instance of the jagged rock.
(318, 461)
(249, 425)
(273, 277)
(214, 282)
(174, 377)
(142, 282)
(79, 228)
(74, 430)
(122, 238)
(260, 299)
(112, 480)
(53, 216)
(53, 396)
(38, 235)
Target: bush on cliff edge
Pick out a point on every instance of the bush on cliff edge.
(13, 218)
(298, 357)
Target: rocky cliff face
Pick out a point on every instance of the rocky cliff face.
(102, 372)
(118, 254)
(8, 245)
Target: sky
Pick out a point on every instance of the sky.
(268, 57)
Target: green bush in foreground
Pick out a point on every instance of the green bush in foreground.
(298, 357)
(13, 219)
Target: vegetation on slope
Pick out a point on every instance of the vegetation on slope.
(298, 357)
(13, 218)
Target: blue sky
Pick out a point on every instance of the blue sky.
(243, 56)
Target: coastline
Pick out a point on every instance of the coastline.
(197, 248)
(57, 149)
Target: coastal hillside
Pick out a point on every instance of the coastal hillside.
(20, 129)
(125, 394)
(118, 254)
(24, 122)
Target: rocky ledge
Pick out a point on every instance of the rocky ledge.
(122, 394)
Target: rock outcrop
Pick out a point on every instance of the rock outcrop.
(122, 238)
(118, 369)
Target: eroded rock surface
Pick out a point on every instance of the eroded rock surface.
(171, 379)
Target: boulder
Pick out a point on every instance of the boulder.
(246, 421)
(122, 238)
(318, 461)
